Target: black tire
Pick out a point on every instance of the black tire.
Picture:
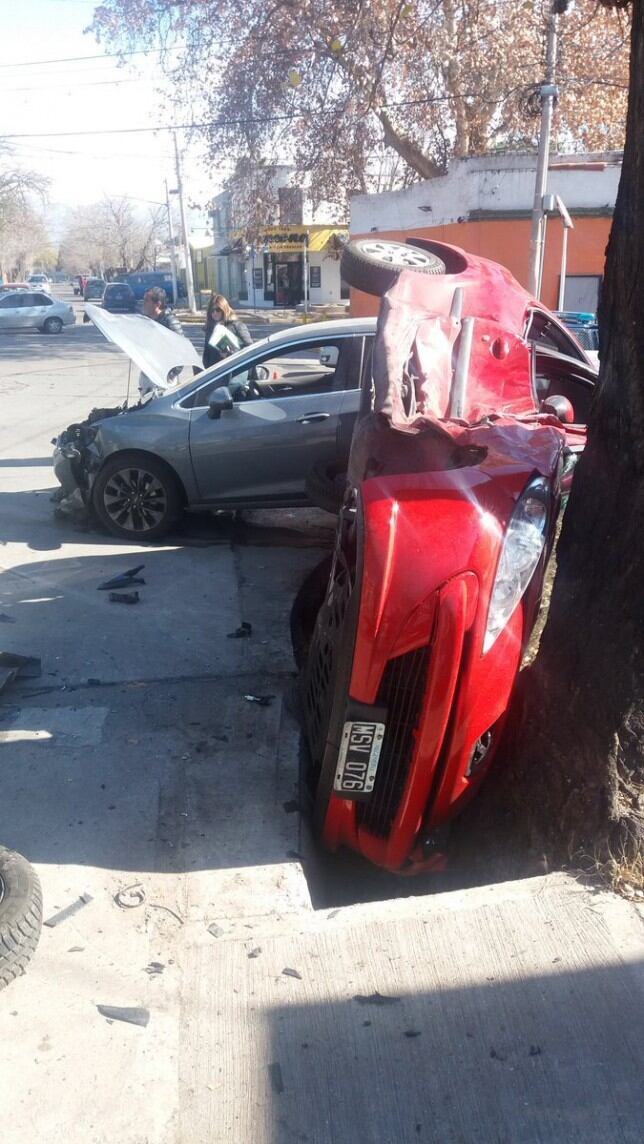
(136, 497)
(325, 485)
(373, 265)
(53, 325)
(20, 914)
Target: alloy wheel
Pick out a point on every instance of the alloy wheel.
(395, 253)
(135, 499)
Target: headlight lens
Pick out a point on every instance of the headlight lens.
(522, 547)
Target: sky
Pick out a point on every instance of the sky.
(43, 98)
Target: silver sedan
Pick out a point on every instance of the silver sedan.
(27, 310)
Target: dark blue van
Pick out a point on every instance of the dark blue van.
(144, 279)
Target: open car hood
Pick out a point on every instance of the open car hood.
(164, 357)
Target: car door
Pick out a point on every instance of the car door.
(36, 310)
(9, 311)
(279, 426)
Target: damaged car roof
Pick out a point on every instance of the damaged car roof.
(164, 357)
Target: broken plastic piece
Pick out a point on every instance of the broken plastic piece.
(69, 911)
(124, 597)
(292, 973)
(215, 930)
(124, 580)
(252, 953)
(375, 999)
(240, 633)
(275, 1073)
(130, 896)
(261, 700)
(154, 968)
(131, 1016)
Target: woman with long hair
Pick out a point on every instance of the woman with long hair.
(221, 313)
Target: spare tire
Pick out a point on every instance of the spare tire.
(325, 484)
(20, 914)
(373, 264)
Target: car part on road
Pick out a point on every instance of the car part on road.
(69, 911)
(136, 495)
(20, 914)
(124, 598)
(124, 579)
(131, 1016)
(373, 265)
(260, 700)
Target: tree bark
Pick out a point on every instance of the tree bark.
(573, 784)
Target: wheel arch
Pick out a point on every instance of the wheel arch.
(115, 454)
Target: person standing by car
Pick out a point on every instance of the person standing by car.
(155, 306)
(221, 313)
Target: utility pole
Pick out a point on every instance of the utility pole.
(173, 251)
(184, 230)
(547, 94)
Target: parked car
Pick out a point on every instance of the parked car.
(119, 298)
(94, 289)
(39, 282)
(472, 419)
(143, 280)
(7, 287)
(244, 433)
(25, 309)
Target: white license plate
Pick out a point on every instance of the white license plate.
(358, 758)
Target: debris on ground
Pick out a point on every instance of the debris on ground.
(261, 700)
(215, 930)
(69, 911)
(76, 949)
(254, 952)
(275, 1074)
(245, 629)
(412, 1033)
(124, 597)
(154, 969)
(130, 896)
(168, 910)
(131, 1016)
(292, 973)
(124, 580)
(375, 999)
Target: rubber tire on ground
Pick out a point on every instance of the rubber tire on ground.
(325, 484)
(53, 326)
(158, 469)
(362, 269)
(20, 914)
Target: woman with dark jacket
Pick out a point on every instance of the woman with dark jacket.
(220, 312)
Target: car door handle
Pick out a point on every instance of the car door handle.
(308, 418)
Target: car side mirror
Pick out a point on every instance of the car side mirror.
(559, 407)
(219, 400)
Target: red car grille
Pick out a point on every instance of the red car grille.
(401, 691)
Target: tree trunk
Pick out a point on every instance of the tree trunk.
(573, 788)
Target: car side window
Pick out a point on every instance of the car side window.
(25, 300)
(8, 302)
(317, 366)
(41, 300)
(553, 381)
(545, 331)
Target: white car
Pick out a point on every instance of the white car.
(33, 310)
(39, 282)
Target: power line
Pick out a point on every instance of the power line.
(96, 56)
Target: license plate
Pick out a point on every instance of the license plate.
(358, 758)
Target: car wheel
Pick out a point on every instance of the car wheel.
(373, 265)
(136, 497)
(53, 325)
(325, 484)
(20, 914)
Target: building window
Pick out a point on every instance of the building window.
(315, 277)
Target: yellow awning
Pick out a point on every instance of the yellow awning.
(292, 239)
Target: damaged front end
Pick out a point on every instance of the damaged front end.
(77, 458)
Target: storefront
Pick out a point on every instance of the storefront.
(291, 265)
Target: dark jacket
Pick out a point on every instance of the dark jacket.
(211, 355)
(169, 319)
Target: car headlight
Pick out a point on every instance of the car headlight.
(522, 548)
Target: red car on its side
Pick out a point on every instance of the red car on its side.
(455, 479)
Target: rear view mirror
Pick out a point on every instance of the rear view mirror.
(219, 400)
